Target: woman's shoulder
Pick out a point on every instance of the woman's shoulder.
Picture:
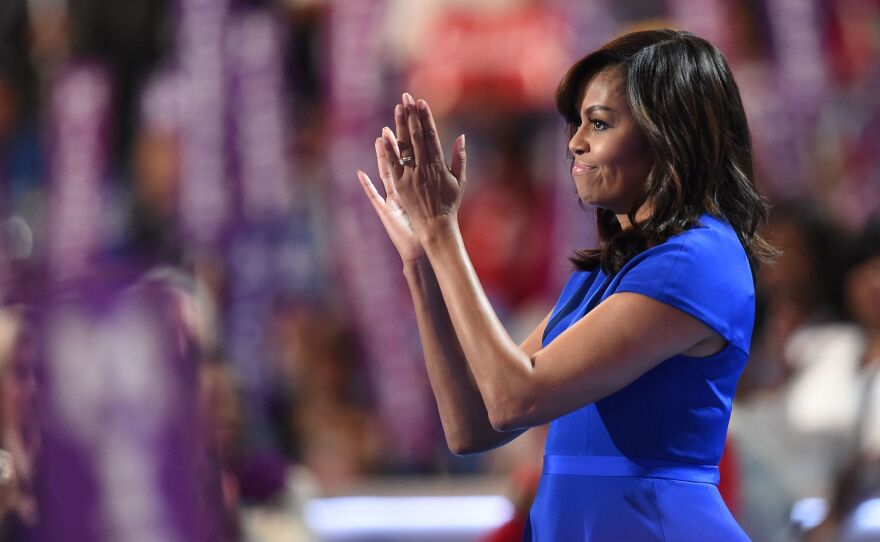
(712, 243)
(711, 233)
(703, 271)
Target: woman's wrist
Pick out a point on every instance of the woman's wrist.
(438, 230)
(416, 260)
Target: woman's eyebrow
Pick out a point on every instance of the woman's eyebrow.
(598, 107)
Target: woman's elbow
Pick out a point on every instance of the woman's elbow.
(507, 424)
(465, 443)
(508, 417)
(483, 442)
(464, 448)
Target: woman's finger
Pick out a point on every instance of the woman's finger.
(416, 132)
(392, 153)
(432, 139)
(402, 129)
(458, 167)
(400, 125)
(372, 194)
(383, 161)
(404, 141)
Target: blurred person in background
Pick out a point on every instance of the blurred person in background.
(20, 152)
(505, 223)
(838, 395)
(824, 403)
(666, 302)
(801, 289)
(49, 35)
(10, 121)
(155, 168)
(243, 493)
(852, 512)
(221, 412)
(19, 430)
(804, 386)
(333, 432)
(185, 302)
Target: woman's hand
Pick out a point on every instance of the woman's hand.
(428, 190)
(392, 215)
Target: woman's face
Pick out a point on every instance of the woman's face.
(612, 158)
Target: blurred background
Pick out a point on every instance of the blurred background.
(205, 333)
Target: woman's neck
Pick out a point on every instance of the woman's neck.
(642, 214)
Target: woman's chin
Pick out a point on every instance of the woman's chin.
(586, 198)
(590, 200)
(587, 204)
(594, 205)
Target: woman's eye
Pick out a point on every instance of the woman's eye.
(598, 125)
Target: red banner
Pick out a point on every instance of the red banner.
(514, 58)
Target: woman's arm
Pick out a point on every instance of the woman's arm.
(622, 338)
(462, 410)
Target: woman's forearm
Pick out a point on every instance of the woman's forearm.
(462, 410)
(501, 370)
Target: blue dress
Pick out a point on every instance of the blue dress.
(642, 463)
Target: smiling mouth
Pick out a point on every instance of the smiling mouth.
(579, 168)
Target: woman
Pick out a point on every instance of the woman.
(636, 365)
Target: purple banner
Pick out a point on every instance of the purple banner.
(250, 296)
(708, 19)
(797, 39)
(368, 267)
(204, 191)
(257, 119)
(78, 116)
(254, 49)
(162, 102)
(120, 449)
(802, 84)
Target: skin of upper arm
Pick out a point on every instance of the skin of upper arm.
(529, 346)
(621, 339)
(532, 343)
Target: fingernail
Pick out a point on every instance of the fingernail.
(423, 105)
(408, 99)
(462, 141)
(398, 110)
(386, 131)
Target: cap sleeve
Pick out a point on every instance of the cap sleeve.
(705, 273)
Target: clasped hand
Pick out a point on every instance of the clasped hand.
(420, 193)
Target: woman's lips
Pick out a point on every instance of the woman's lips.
(580, 168)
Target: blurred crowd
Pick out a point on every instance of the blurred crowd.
(289, 307)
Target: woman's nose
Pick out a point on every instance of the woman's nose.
(578, 144)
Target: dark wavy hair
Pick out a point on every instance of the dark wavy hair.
(684, 98)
